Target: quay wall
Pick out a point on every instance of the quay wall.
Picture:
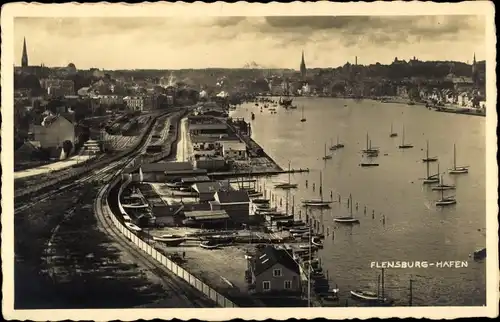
(190, 279)
(255, 149)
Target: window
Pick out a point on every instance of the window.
(288, 285)
(266, 286)
(277, 272)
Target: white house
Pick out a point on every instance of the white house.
(234, 150)
(53, 131)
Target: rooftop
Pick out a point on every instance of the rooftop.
(238, 146)
(166, 166)
(270, 256)
(236, 196)
(213, 186)
(210, 126)
(207, 214)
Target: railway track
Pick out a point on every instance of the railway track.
(189, 296)
(22, 205)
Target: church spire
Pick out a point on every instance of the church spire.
(24, 59)
(303, 66)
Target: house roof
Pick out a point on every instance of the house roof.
(270, 256)
(237, 146)
(236, 196)
(211, 126)
(207, 214)
(212, 186)
(203, 139)
(166, 166)
(196, 179)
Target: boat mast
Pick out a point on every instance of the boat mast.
(411, 292)
(378, 287)
(427, 154)
(337, 139)
(454, 157)
(289, 169)
(391, 129)
(350, 202)
(382, 284)
(309, 272)
(403, 137)
(367, 140)
(321, 186)
(427, 164)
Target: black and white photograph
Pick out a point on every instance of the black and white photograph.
(170, 158)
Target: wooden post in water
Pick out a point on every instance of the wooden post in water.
(314, 187)
(365, 210)
(293, 205)
(373, 214)
(411, 293)
(339, 197)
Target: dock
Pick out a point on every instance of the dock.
(247, 174)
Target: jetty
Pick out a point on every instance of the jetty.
(256, 173)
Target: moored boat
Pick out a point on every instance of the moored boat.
(404, 145)
(480, 254)
(315, 241)
(347, 219)
(366, 295)
(456, 169)
(132, 226)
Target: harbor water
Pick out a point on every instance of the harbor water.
(415, 229)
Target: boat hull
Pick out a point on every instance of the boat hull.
(366, 296)
(346, 220)
(445, 202)
(442, 188)
(369, 164)
(458, 171)
(406, 146)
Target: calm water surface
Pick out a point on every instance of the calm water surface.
(415, 229)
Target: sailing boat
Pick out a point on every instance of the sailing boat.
(427, 158)
(403, 144)
(431, 179)
(319, 203)
(347, 219)
(337, 146)
(370, 296)
(326, 156)
(455, 169)
(287, 185)
(392, 134)
(372, 152)
(303, 119)
(441, 186)
(445, 201)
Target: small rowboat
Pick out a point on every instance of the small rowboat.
(209, 245)
(316, 242)
(133, 227)
(367, 296)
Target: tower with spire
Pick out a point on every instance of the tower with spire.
(303, 69)
(24, 59)
(474, 70)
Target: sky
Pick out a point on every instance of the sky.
(232, 42)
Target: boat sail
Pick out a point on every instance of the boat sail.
(287, 185)
(403, 144)
(455, 169)
(427, 158)
(318, 203)
(326, 156)
(446, 201)
(392, 134)
(442, 186)
(347, 219)
(303, 119)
